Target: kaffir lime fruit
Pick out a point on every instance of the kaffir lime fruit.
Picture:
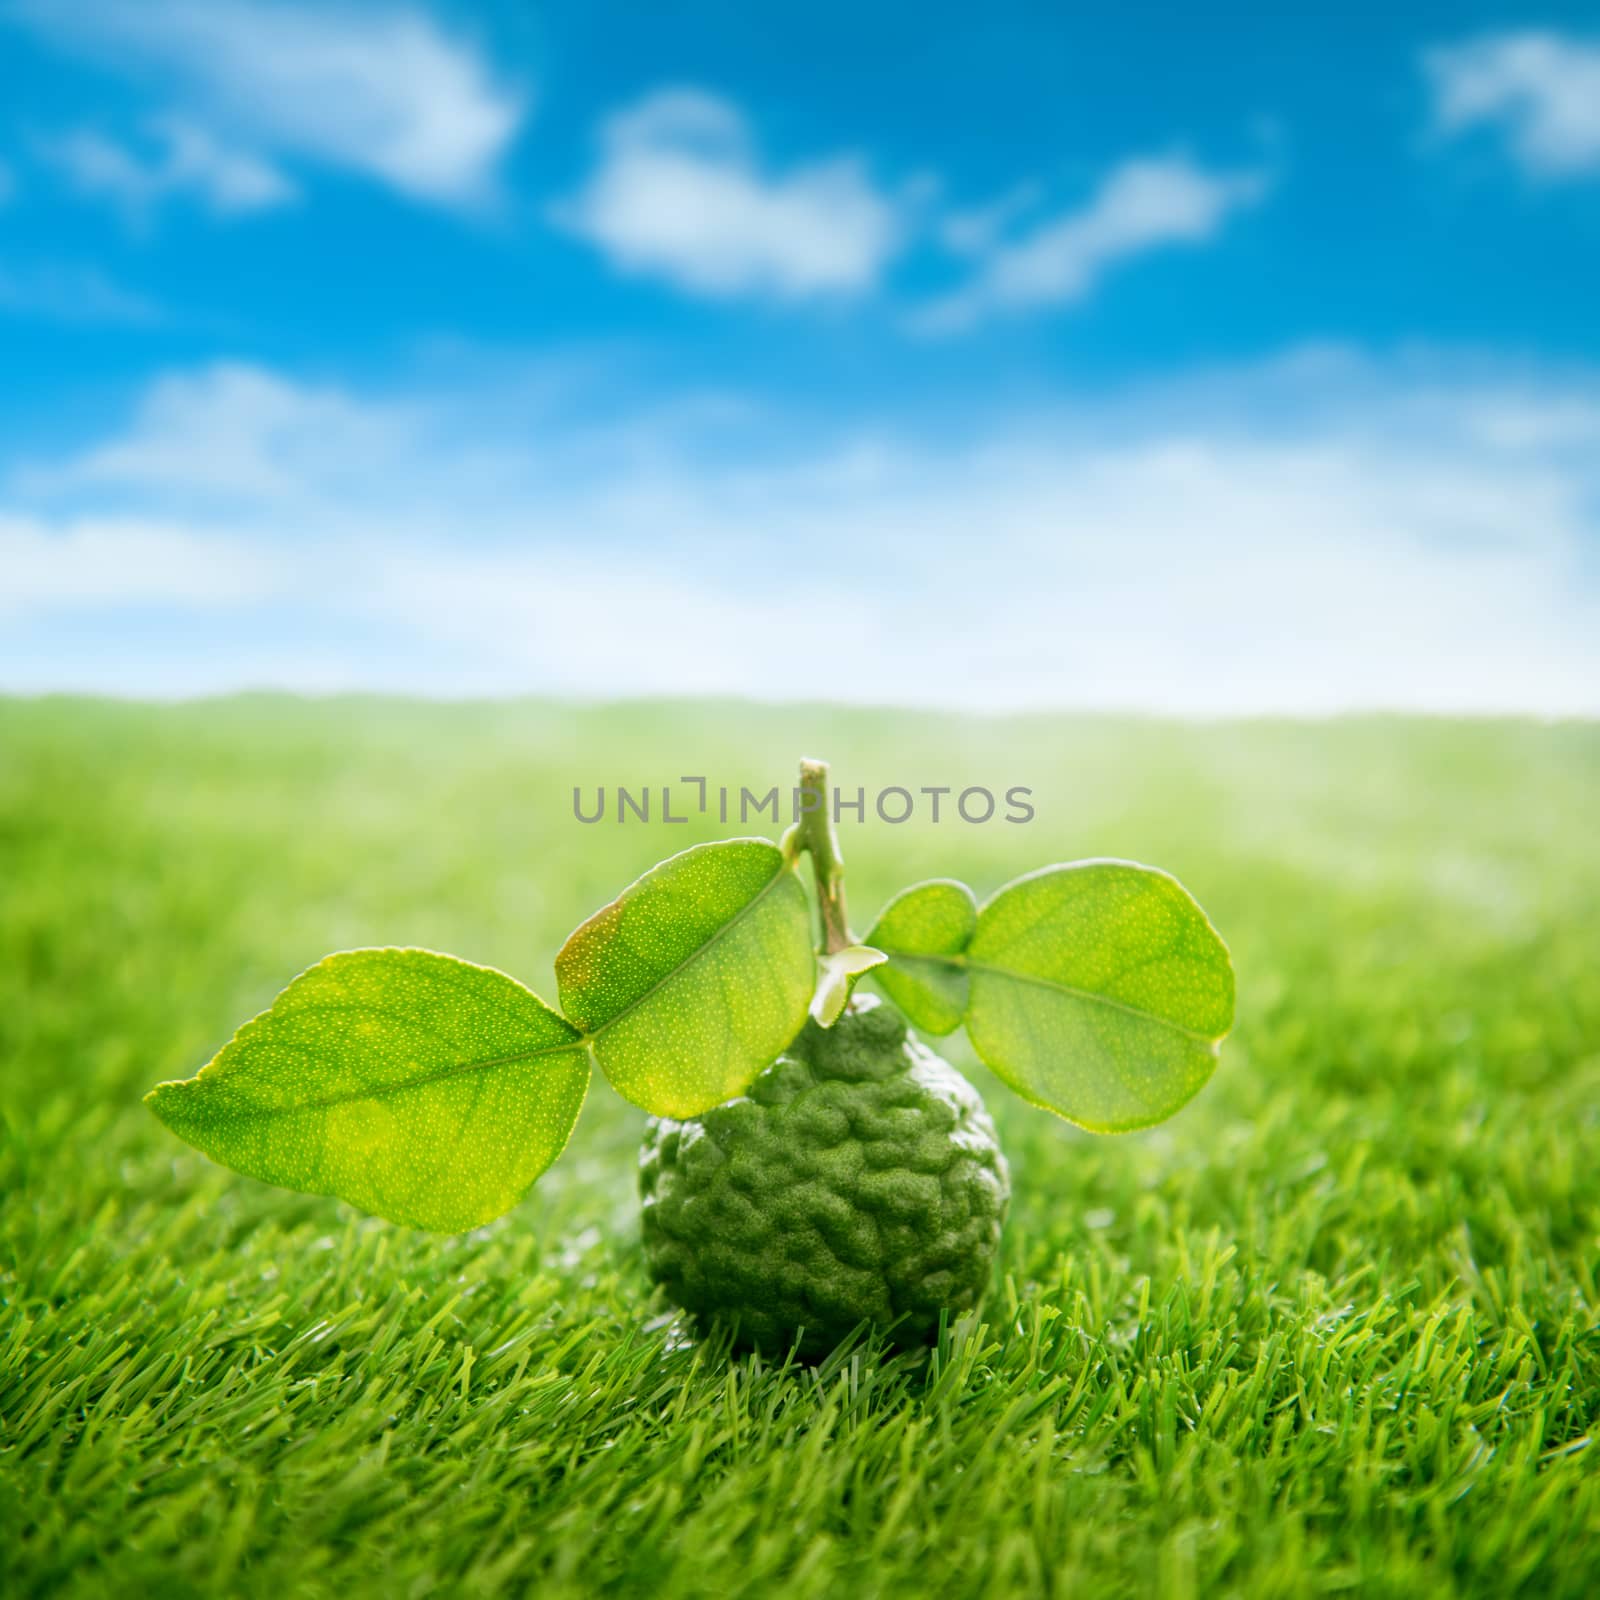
(859, 1179)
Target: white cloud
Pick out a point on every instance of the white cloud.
(238, 435)
(189, 160)
(375, 90)
(74, 294)
(1320, 534)
(114, 563)
(681, 193)
(1142, 205)
(1541, 89)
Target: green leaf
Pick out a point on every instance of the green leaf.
(836, 976)
(921, 928)
(425, 1089)
(693, 979)
(1100, 992)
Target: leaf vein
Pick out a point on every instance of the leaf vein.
(1077, 994)
(378, 1091)
(693, 956)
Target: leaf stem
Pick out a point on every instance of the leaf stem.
(814, 833)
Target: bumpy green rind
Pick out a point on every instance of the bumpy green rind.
(860, 1179)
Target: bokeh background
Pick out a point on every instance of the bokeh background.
(1198, 359)
(1090, 399)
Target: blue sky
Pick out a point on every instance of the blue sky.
(1236, 361)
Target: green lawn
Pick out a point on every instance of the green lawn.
(1334, 1328)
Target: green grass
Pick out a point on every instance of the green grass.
(1332, 1329)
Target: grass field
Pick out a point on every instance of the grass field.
(1335, 1328)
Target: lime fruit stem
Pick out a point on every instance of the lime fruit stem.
(814, 833)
